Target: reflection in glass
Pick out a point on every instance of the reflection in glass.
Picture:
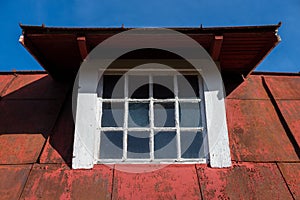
(189, 114)
(112, 114)
(191, 144)
(111, 145)
(165, 145)
(138, 87)
(163, 87)
(138, 115)
(188, 86)
(164, 115)
(110, 87)
(138, 144)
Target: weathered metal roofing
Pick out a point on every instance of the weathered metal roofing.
(36, 141)
(61, 50)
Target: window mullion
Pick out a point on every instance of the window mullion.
(177, 118)
(125, 132)
(151, 113)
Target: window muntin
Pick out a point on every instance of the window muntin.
(153, 119)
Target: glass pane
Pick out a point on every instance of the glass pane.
(138, 87)
(111, 145)
(189, 114)
(113, 86)
(112, 114)
(191, 145)
(138, 144)
(163, 87)
(188, 86)
(165, 145)
(138, 115)
(164, 115)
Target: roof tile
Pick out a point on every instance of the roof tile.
(243, 181)
(35, 86)
(284, 87)
(255, 132)
(20, 148)
(28, 116)
(251, 88)
(170, 182)
(290, 110)
(12, 180)
(55, 181)
(59, 146)
(291, 173)
(5, 80)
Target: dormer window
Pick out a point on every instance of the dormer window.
(63, 51)
(171, 110)
(150, 116)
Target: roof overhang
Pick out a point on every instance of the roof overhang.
(238, 50)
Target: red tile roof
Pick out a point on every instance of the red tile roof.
(13, 179)
(243, 181)
(256, 132)
(36, 141)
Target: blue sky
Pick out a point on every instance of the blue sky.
(155, 13)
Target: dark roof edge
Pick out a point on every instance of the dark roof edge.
(23, 72)
(276, 73)
(225, 29)
(253, 73)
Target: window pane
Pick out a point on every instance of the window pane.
(164, 115)
(165, 145)
(189, 114)
(111, 145)
(191, 144)
(112, 114)
(138, 144)
(138, 115)
(163, 87)
(188, 86)
(110, 87)
(138, 87)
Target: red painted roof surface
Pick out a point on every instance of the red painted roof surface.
(37, 130)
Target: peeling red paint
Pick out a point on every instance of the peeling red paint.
(4, 83)
(28, 116)
(170, 182)
(56, 181)
(255, 132)
(20, 148)
(22, 81)
(284, 87)
(59, 146)
(251, 88)
(30, 109)
(12, 180)
(290, 110)
(291, 173)
(36, 86)
(243, 181)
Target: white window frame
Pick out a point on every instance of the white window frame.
(86, 148)
(176, 100)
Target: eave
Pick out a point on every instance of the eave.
(61, 50)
